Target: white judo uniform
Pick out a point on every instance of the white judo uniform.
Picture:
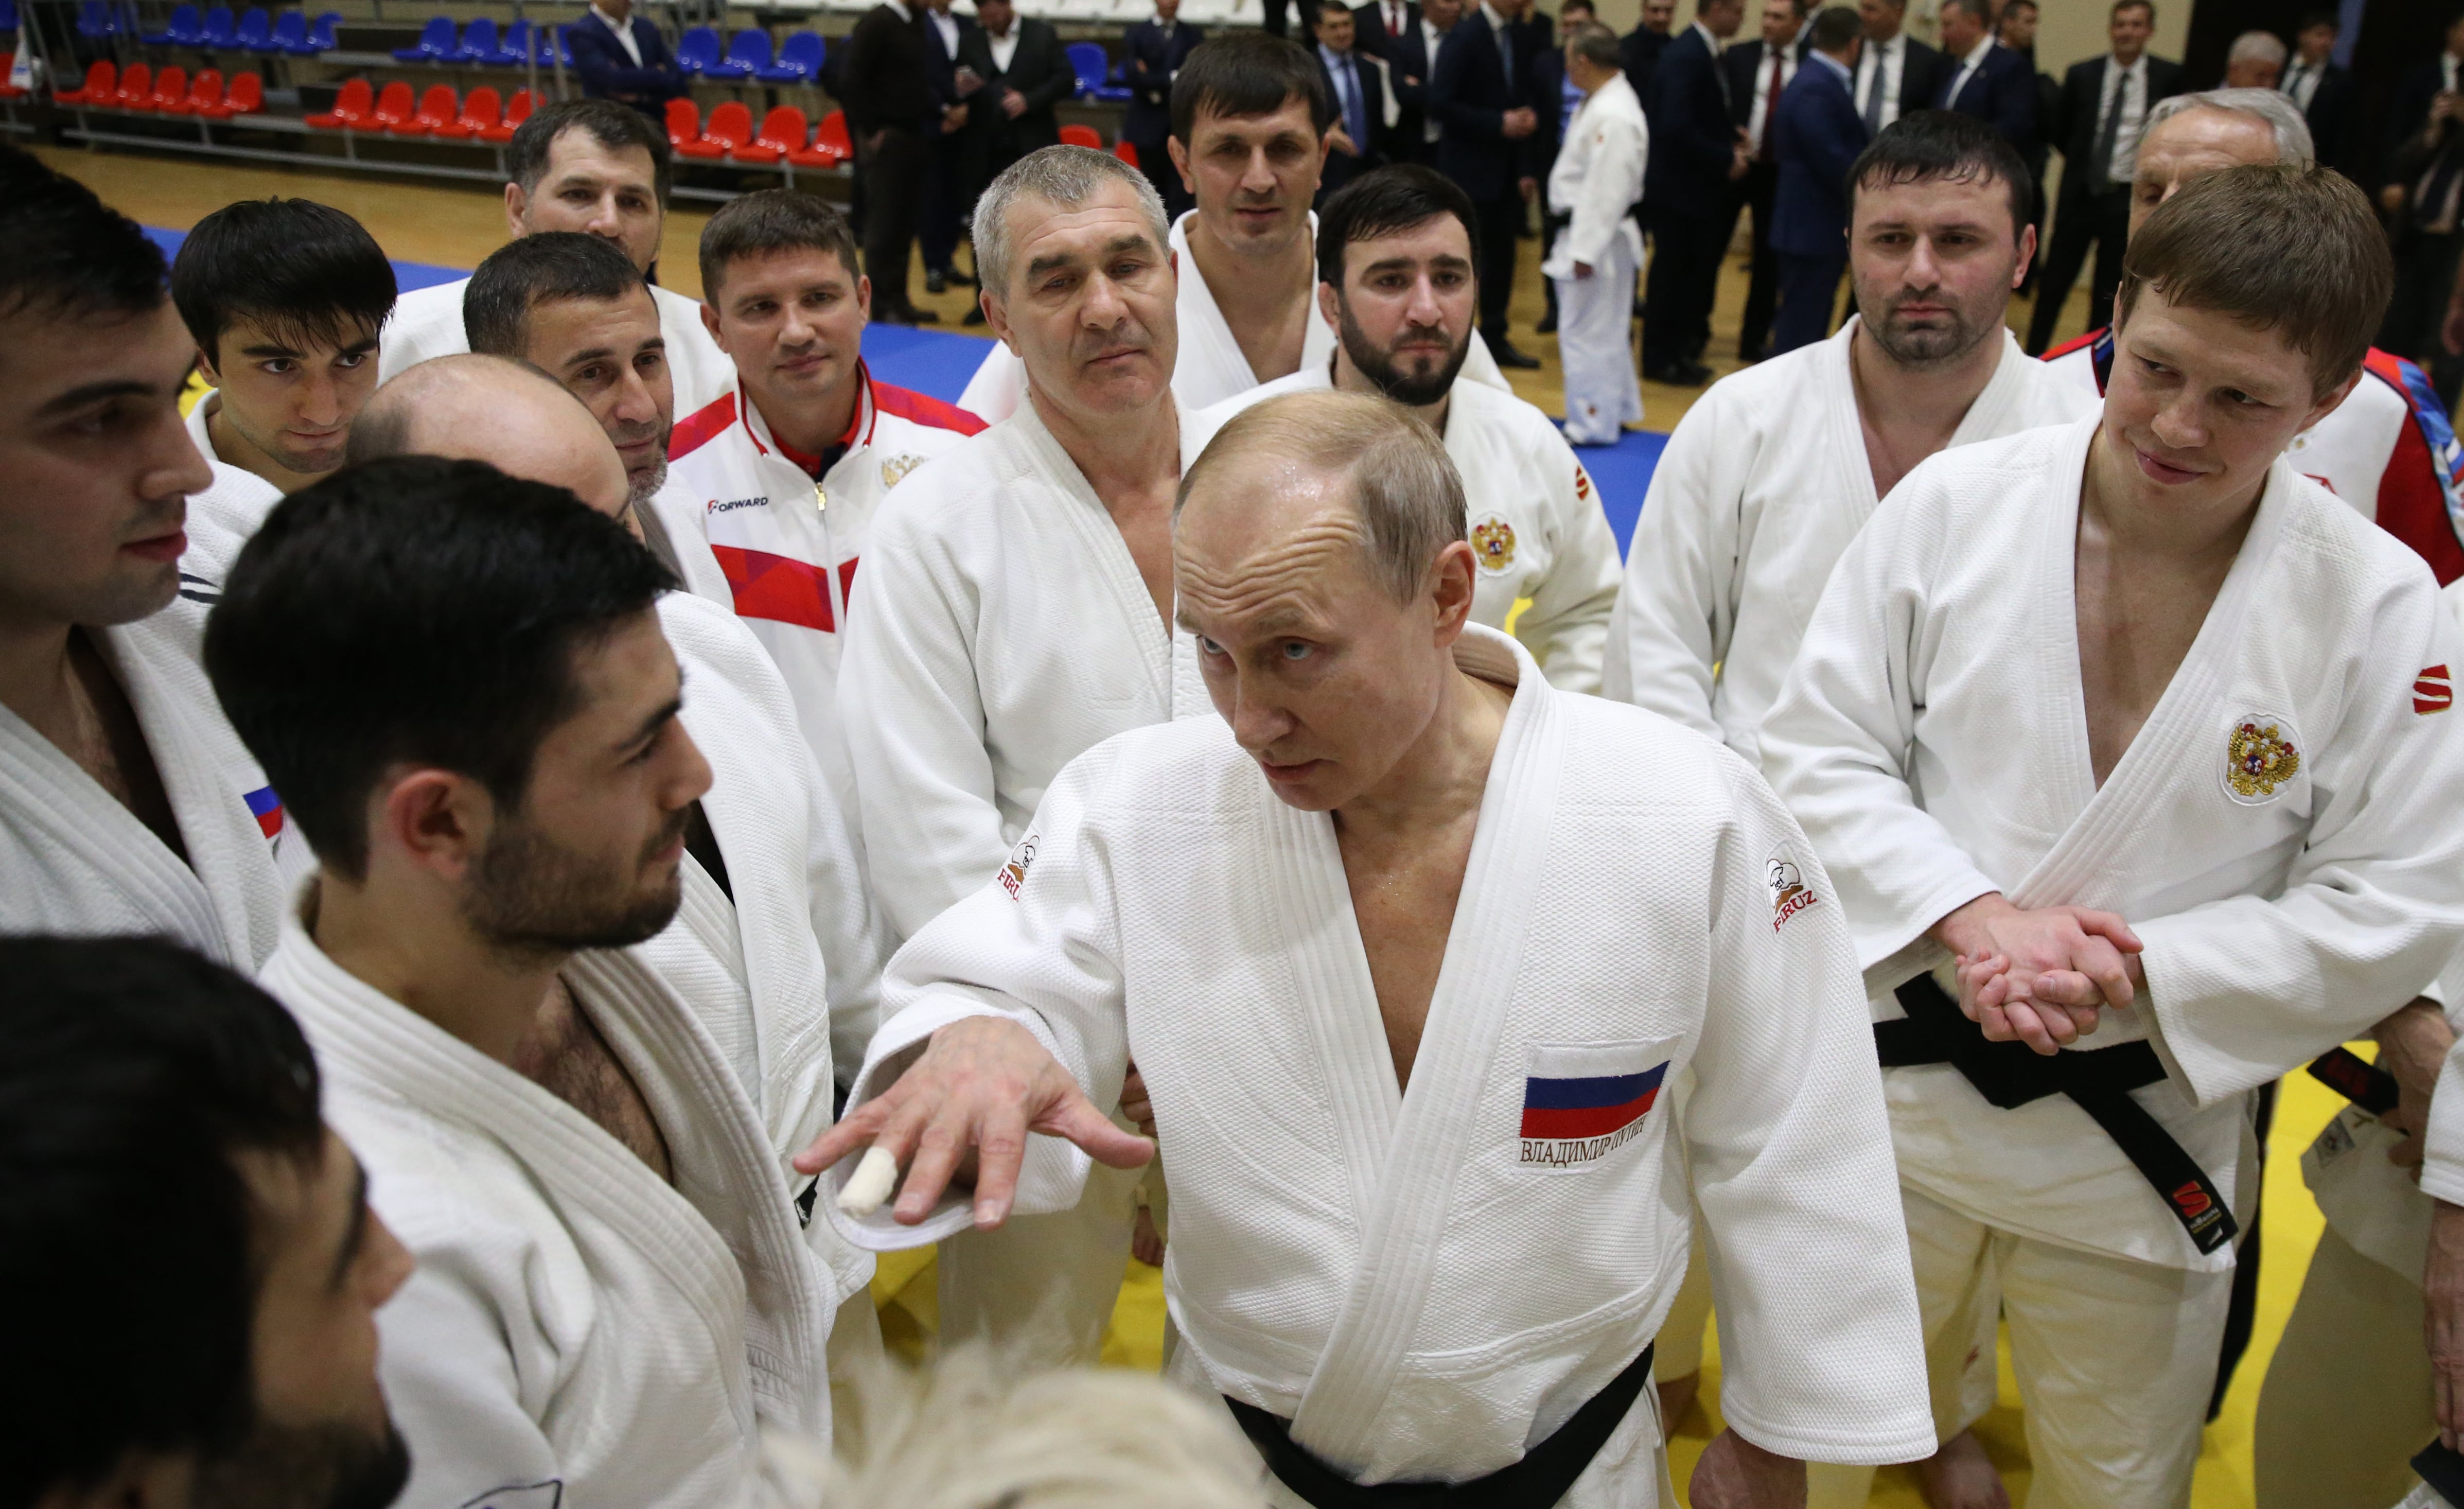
(428, 321)
(788, 546)
(222, 518)
(74, 861)
(579, 1330)
(1210, 366)
(1597, 181)
(1761, 487)
(1534, 515)
(1428, 1282)
(2284, 834)
(1005, 630)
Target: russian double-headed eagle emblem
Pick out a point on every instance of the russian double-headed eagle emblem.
(2258, 760)
(894, 470)
(1492, 541)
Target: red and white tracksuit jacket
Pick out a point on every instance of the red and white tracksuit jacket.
(2388, 449)
(786, 545)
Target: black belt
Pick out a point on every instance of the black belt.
(2364, 1083)
(1539, 1480)
(2011, 1075)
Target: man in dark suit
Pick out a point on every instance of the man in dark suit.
(1026, 74)
(887, 91)
(1818, 134)
(2421, 173)
(1411, 58)
(1759, 73)
(1982, 79)
(2104, 101)
(2321, 91)
(2018, 31)
(1379, 25)
(1480, 93)
(1152, 52)
(1356, 85)
(622, 57)
(1642, 47)
(1895, 73)
(945, 185)
(1697, 157)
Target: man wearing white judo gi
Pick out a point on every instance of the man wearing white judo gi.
(460, 683)
(1249, 115)
(799, 422)
(1596, 183)
(2389, 449)
(2127, 715)
(127, 803)
(1398, 274)
(1405, 954)
(591, 166)
(1017, 610)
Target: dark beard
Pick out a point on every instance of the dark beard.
(317, 1467)
(1410, 390)
(531, 895)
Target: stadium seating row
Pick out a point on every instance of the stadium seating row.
(216, 28)
(437, 113)
(170, 92)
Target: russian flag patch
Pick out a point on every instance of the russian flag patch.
(2432, 692)
(1574, 1119)
(267, 809)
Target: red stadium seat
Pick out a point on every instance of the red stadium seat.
(170, 88)
(516, 114)
(484, 109)
(351, 107)
(394, 106)
(206, 89)
(731, 126)
(101, 87)
(1127, 153)
(8, 90)
(782, 131)
(684, 123)
(245, 96)
(135, 89)
(831, 146)
(439, 115)
(1076, 135)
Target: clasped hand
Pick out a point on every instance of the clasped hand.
(2040, 975)
(961, 1114)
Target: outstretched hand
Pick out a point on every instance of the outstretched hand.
(979, 1086)
(2040, 976)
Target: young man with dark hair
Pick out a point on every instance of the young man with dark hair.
(786, 467)
(591, 166)
(285, 298)
(131, 805)
(213, 1344)
(2104, 107)
(887, 89)
(2236, 829)
(1249, 117)
(1356, 83)
(2320, 87)
(460, 683)
(1399, 276)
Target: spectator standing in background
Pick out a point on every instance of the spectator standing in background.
(1758, 73)
(1026, 74)
(1697, 156)
(1818, 137)
(1593, 185)
(1481, 96)
(1151, 51)
(2018, 31)
(622, 57)
(1643, 45)
(1553, 84)
(2256, 61)
(1895, 73)
(1379, 24)
(2423, 175)
(946, 190)
(1411, 61)
(2320, 90)
(2104, 106)
(1357, 85)
(887, 91)
(1983, 79)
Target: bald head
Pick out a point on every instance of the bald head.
(507, 414)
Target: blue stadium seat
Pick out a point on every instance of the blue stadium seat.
(255, 30)
(1088, 61)
(799, 60)
(479, 44)
(290, 33)
(96, 20)
(698, 49)
(221, 27)
(321, 37)
(435, 42)
(184, 29)
(749, 53)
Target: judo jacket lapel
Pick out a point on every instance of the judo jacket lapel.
(1405, 1217)
(1108, 555)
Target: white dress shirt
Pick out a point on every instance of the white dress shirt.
(623, 30)
(2301, 81)
(1967, 67)
(2132, 84)
(1004, 45)
(947, 25)
(1431, 40)
(1767, 94)
(1883, 65)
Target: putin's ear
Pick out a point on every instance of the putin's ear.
(1454, 578)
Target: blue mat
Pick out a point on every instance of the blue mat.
(940, 362)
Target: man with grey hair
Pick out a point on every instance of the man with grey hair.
(2387, 449)
(1016, 610)
(2256, 61)
(1405, 1071)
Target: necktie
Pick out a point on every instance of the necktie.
(1770, 108)
(1505, 36)
(1874, 96)
(1355, 108)
(2100, 168)
(1395, 18)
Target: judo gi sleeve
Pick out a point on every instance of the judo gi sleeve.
(1790, 1152)
(456, 1395)
(855, 938)
(1566, 625)
(1677, 610)
(1037, 943)
(1611, 188)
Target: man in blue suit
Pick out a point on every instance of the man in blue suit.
(1983, 78)
(1480, 93)
(1151, 51)
(1817, 134)
(1697, 156)
(622, 57)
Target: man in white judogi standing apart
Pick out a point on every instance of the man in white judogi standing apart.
(1405, 954)
(1017, 610)
(591, 166)
(1596, 183)
(2140, 731)
(127, 803)
(1249, 121)
(783, 472)
(776, 946)
(459, 682)
(1399, 276)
